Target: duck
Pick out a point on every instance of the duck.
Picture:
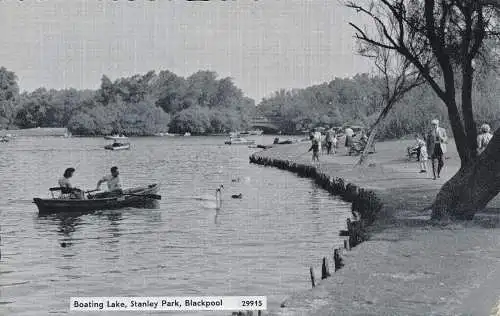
(237, 196)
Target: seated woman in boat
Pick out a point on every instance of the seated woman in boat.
(67, 188)
(113, 181)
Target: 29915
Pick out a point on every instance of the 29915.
(257, 303)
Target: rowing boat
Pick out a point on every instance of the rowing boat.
(118, 146)
(116, 137)
(239, 141)
(134, 197)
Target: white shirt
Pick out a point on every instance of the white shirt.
(113, 182)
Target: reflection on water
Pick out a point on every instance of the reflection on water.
(185, 244)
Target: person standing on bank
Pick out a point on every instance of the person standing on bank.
(436, 144)
(315, 148)
(113, 181)
(484, 138)
(329, 141)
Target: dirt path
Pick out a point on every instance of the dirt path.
(408, 267)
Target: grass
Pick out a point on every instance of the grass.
(409, 266)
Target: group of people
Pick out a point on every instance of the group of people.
(113, 181)
(436, 141)
(330, 141)
(431, 146)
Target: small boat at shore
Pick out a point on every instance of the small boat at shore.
(133, 197)
(118, 146)
(239, 141)
(116, 137)
(165, 134)
(256, 132)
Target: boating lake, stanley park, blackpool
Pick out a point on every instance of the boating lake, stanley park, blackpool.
(262, 244)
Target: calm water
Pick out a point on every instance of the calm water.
(262, 244)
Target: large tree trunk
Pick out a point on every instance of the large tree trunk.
(472, 187)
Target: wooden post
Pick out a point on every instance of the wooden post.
(337, 260)
(345, 243)
(311, 272)
(325, 270)
(259, 313)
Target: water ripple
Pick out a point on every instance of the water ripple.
(187, 245)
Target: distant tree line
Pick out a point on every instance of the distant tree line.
(137, 105)
(202, 103)
(354, 101)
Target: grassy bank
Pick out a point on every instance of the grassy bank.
(408, 266)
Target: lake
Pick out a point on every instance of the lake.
(262, 244)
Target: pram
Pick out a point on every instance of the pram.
(357, 147)
(413, 152)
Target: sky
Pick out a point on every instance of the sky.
(264, 45)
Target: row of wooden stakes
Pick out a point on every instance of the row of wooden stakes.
(365, 208)
(338, 263)
(247, 313)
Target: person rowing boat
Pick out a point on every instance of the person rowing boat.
(113, 181)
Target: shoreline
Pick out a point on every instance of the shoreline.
(408, 265)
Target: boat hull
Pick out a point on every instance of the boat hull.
(55, 205)
(122, 147)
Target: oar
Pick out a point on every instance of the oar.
(149, 196)
(92, 191)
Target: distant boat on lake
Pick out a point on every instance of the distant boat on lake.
(187, 134)
(165, 134)
(255, 132)
(239, 141)
(116, 137)
(67, 135)
(118, 146)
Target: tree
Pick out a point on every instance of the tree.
(443, 44)
(398, 78)
(9, 95)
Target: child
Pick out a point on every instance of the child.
(314, 148)
(422, 148)
(334, 143)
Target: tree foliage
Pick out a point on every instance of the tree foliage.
(446, 41)
(356, 101)
(136, 105)
(9, 97)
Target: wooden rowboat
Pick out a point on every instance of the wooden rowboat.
(134, 197)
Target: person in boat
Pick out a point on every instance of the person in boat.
(67, 188)
(113, 181)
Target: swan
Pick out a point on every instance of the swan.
(208, 197)
(209, 201)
